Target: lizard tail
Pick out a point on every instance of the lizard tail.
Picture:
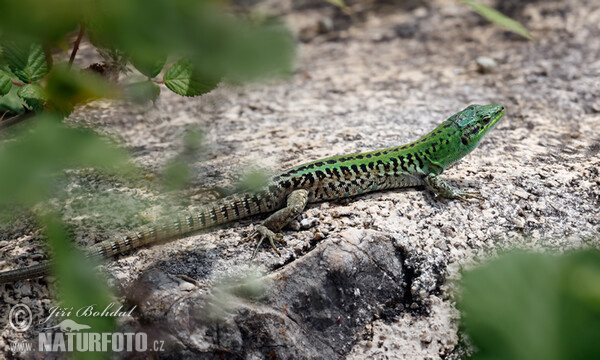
(227, 209)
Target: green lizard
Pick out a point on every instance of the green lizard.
(418, 163)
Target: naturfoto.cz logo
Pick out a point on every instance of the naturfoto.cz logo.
(70, 335)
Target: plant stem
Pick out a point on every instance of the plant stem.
(76, 43)
(18, 83)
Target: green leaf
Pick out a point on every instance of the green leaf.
(149, 66)
(183, 79)
(11, 103)
(43, 21)
(27, 61)
(143, 91)
(176, 174)
(67, 87)
(33, 164)
(80, 285)
(498, 18)
(34, 96)
(5, 83)
(533, 306)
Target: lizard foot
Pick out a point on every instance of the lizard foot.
(466, 194)
(262, 233)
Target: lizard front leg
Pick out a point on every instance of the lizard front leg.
(296, 202)
(442, 188)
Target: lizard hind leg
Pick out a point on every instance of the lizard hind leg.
(296, 202)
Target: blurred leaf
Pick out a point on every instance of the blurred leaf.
(265, 50)
(5, 83)
(27, 61)
(34, 96)
(341, 4)
(177, 174)
(67, 87)
(80, 286)
(183, 79)
(33, 164)
(149, 67)
(215, 43)
(143, 91)
(11, 103)
(42, 21)
(498, 18)
(532, 306)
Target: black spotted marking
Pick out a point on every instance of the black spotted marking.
(276, 178)
(256, 200)
(418, 158)
(371, 165)
(319, 164)
(427, 152)
(202, 218)
(213, 215)
(377, 154)
(127, 241)
(385, 152)
(368, 156)
(329, 172)
(296, 180)
(402, 161)
(359, 156)
(320, 175)
(190, 221)
(224, 212)
(336, 172)
(363, 167)
(354, 168)
(286, 184)
(447, 124)
(394, 161)
(345, 170)
(308, 178)
(331, 161)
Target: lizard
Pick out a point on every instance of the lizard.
(286, 195)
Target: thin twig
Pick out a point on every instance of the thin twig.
(18, 83)
(76, 43)
(15, 119)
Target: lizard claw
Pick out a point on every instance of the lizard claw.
(262, 232)
(466, 194)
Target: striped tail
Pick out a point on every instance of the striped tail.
(227, 209)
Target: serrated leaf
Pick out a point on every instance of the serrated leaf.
(11, 103)
(26, 61)
(183, 79)
(34, 96)
(5, 83)
(149, 66)
(498, 18)
(141, 92)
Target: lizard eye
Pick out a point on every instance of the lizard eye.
(464, 140)
(486, 119)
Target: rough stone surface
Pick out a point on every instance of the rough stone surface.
(369, 277)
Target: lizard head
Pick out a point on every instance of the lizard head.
(474, 122)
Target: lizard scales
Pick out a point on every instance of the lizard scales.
(414, 164)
